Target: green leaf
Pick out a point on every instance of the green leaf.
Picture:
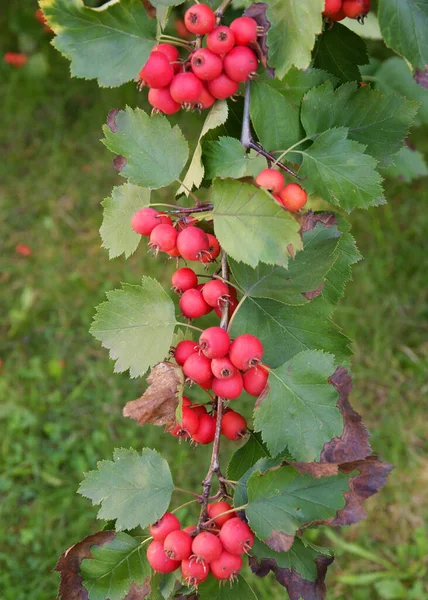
(136, 324)
(296, 83)
(404, 26)
(250, 226)
(291, 36)
(161, 3)
(282, 501)
(133, 488)
(269, 106)
(409, 165)
(371, 29)
(338, 170)
(341, 273)
(155, 152)
(195, 173)
(213, 589)
(109, 44)
(380, 122)
(339, 51)
(240, 496)
(246, 457)
(114, 567)
(162, 586)
(287, 330)
(299, 410)
(116, 231)
(225, 157)
(304, 274)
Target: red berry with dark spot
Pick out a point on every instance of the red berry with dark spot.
(223, 87)
(246, 351)
(233, 426)
(226, 567)
(255, 380)
(146, 219)
(245, 30)
(240, 63)
(293, 197)
(183, 350)
(206, 431)
(193, 243)
(216, 509)
(185, 88)
(164, 526)
(222, 368)
(163, 238)
(194, 572)
(271, 180)
(162, 101)
(207, 546)
(229, 388)
(184, 279)
(221, 40)
(192, 304)
(197, 368)
(200, 19)
(213, 249)
(206, 65)
(236, 536)
(178, 545)
(157, 72)
(158, 560)
(215, 292)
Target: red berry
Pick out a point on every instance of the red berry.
(213, 249)
(163, 238)
(157, 72)
(15, 59)
(206, 65)
(223, 87)
(356, 9)
(339, 16)
(233, 426)
(184, 222)
(246, 352)
(192, 304)
(214, 342)
(331, 7)
(190, 529)
(200, 19)
(215, 292)
(221, 40)
(171, 52)
(164, 526)
(183, 350)
(240, 63)
(227, 566)
(207, 385)
(236, 536)
(193, 243)
(200, 410)
(205, 100)
(158, 560)
(207, 546)
(184, 279)
(206, 431)
(146, 219)
(194, 572)
(185, 88)
(245, 30)
(217, 509)
(197, 368)
(162, 101)
(293, 197)
(229, 388)
(189, 424)
(178, 545)
(222, 368)
(255, 380)
(233, 303)
(271, 180)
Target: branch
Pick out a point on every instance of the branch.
(188, 211)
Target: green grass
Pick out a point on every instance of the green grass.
(61, 403)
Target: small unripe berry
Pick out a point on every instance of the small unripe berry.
(163, 238)
(185, 88)
(193, 243)
(215, 292)
(271, 180)
(162, 101)
(221, 40)
(206, 65)
(293, 197)
(197, 368)
(223, 87)
(217, 509)
(158, 560)
(164, 526)
(183, 350)
(229, 388)
(184, 279)
(200, 19)
(194, 572)
(236, 536)
(206, 431)
(178, 545)
(246, 351)
(245, 30)
(207, 546)
(255, 380)
(226, 567)
(240, 63)
(222, 368)
(146, 219)
(233, 426)
(157, 72)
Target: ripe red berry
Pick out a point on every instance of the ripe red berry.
(207, 546)
(229, 388)
(157, 72)
(233, 426)
(163, 238)
(245, 30)
(221, 40)
(331, 7)
(215, 292)
(223, 87)
(200, 19)
(192, 304)
(178, 545)
(146, 219)
(164, 526)
(222, 368)
(246, 352)
(206, 65)
(15, 59)
(184, 222)
(226, 567)
(271, 180)
(233, 303)
(240, 63)
(205, 100)
(206, 431)
(190, 529)
(162, 101)
(185, 88)
(293, 197)
(356, 9)
(183, 350)
(193, 243)
(197, 368)
(255, 380)
(213, 249)
(158, 560)
(189, 424)
(194, 572)
(184, 279)
(171, 52)
(339, 16)
(217, 509)
(236, 536)
(214, 342)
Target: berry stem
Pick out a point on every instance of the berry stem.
(189, 326)
(185, 504)
(290, 149)
(195, 198)
(219, 13)
(226, 512)
(203, 207)
(188, 492)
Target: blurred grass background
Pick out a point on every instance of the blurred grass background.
(61, 404)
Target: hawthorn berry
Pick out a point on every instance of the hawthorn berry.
(236, 536)
(356, 9)
(194, 572)
(229, 387)
(193, 243)
(233, 425)
(240, 63)
(184, 222)
(163, 238)
(206, 546)
(189, 424)
(216, 509)
(214, 342)
(206, 65)
(213, 248)
(293, 197)
(200, 19)
(245, 30)
(221, 40)
(193, 305)
(184, 279)
(178, 545)
(246, 351)
(271, 180)
(255, 380)
(339, 16)
(146, 219)
(226, 567)
(15, 59)
(162, 101)
(190, 529)
(205, 100)
(215, 292)
(185, 88)
(232, 304)
(206, 431)
(172, 54)
(222, 368)
(157, 72)
(164, 526)
(158, 560)
(223, 87)
(331, 7)
(197, 368)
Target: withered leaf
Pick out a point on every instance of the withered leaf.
(311, 219)
(421, 77)
(257, 11)
(119, 162)
(159, 402)
(111, 119)
(137, 592)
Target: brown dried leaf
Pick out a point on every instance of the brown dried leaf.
(311, 219)
(421, 77)
(280, 541)
(257, 11)
(111, 119)
(314, 293)
(159, 402)
(149, 8)
(71, 585)
(137, 592)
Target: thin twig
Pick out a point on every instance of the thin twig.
(219, 13)
(188, 211)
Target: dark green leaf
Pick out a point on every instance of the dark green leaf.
(162, 586)
(212, 589)
(240, 496)
(409, 165)
(340, 273)
(246, 457)
(297, 82)
(225, 157)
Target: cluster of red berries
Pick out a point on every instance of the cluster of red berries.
(218, 551)
(182, 240)
(209, 73)
(337, 10)
(291, 196)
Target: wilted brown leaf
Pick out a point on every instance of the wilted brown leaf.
(159, 402)
(111, 119)
(311, 219)
(137, 592)
(280, 541)
(421, 77)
